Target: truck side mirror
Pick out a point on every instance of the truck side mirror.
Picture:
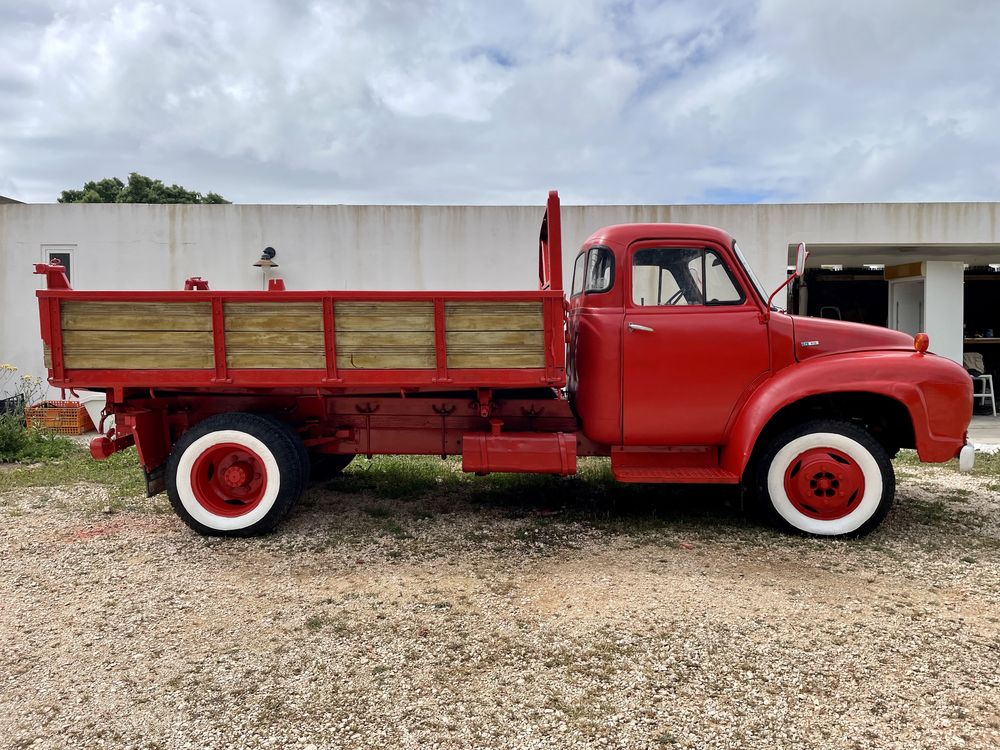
(800, 259)
(800, 268)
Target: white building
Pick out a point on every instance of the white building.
(925, 248)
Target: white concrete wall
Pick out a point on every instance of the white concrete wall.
(401, 247)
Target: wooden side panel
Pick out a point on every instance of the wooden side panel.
(136, 316)
(383, 335)
(493, 316)
(298, 350)
(495, 335)
(274, 316)
(500, 349)
(137, 335)
(141, 350)
(384, 316)
(274, 335)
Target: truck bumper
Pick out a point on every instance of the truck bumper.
(967, 457)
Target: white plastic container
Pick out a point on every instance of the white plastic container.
(94, 404)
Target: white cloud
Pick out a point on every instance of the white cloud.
(430, 101)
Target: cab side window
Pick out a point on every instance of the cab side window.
(594, 271)
(672, 276)
(579, 268)
(600, 270)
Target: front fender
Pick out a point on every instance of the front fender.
(936, 392)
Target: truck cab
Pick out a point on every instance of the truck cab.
(679, 362)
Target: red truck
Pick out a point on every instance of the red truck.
(667, 356)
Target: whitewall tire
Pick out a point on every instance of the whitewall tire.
(827, 478)
(234, 475)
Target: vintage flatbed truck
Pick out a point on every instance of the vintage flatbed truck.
(667, 356)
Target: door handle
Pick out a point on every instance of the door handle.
(637, 327)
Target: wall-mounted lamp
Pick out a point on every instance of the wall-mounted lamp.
(267, 258)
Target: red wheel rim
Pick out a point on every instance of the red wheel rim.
(228, 479)
(824, 483)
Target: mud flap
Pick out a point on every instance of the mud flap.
(156, 480)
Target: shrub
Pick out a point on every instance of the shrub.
(13, 436)
(18, 442)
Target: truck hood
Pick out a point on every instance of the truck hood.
(815, 337)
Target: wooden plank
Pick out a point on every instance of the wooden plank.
(47, 356)
(263, 359)
(248, 340)
(383, 316)
(132, 316)
(137, 349)
(494, 316)
(152, 340)
(505, 349)
(385, 360)
(491, 360)
(273, 349)
(140, 361)
(384, 339)
(376, 345)
(534, 340)
(274, 316)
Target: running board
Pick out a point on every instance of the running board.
(686, 464)
(679, 475)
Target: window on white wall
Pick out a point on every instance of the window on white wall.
(62, 253)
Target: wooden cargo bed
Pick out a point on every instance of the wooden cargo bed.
(353, 341)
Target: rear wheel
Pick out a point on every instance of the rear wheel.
(826, 477)
(234, 475)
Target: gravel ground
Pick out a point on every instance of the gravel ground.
(394, 611)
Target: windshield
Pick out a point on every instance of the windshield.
(753, 277)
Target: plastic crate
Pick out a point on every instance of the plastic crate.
(66, 417)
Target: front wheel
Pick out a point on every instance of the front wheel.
(826, 477)
(234, 475)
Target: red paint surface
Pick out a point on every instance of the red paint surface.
(824, 483)
(527, 452)
(228, 480)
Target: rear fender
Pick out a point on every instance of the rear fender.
(936, 393)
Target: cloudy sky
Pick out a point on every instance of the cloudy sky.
(420, 101)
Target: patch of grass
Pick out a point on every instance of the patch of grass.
(933, 512)
(906, 457)
(550, 511)
(121, 473)
(397, 477)
(987, 465)
(21, 444)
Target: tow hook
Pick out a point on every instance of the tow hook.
(967, 457)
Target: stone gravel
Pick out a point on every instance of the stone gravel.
(439, 622)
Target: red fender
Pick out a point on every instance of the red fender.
(936, 392)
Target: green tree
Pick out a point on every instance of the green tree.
(139, 189)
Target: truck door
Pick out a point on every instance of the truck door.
(693, 344)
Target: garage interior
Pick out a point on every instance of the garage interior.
(952, 293)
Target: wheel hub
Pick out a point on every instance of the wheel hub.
(236, 475)
(228, 479)
(824, 483)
